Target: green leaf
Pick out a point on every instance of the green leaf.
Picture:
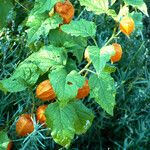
(138, 4)
(43, 6)
(112, 13)
(2, 88)
(112, 2)
(109, 68)
(81, 28)
(103, 91)
(24, 76)
(68, 84)
(5, 7)
(83, 119)
(48, 57)
(4, 140)
(67, 121)
(40, 25)
(97, 6)
(71, 65)
(13, 85)
(100, 57)
(38, 63)
(75, 45)
(137, 17)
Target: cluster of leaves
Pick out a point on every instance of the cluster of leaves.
(54, 59)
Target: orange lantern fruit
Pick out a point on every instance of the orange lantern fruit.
(118, 53)
(65, 10)
(24, 125)
(127, 25)
(45, 92)
(84, 91)
(40, 114)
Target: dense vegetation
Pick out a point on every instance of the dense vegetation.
(128, 128)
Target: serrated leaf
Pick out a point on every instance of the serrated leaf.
(97, 6)
(40, 25)
(47, 57)
(138, 4)
(4, 140)
(81, 28)
(24, 76)
(103, 91)
(83, 118)
(13, 85)
(43, 6)
(38, 63)
(75, 45)
(68, 84)
(66, 121)
(5, 7)
(100, 57)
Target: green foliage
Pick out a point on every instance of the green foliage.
(68, 84)
(40, 25)
(74, 45)
(28, 72)
(5, 8)
(98, 7)
(24, 76)
(137, 17)
(4, 140)
(81, 28)
(138, 4)
(66, 121)
(43, 6)
(103, 90)
(59, 57)
(100, 57)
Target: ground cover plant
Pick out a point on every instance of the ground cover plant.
(74, 74)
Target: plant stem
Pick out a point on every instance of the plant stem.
(21, 5)
(80, 14)
(113, 36)
(87, 65)
(88, 70)
(95, 41)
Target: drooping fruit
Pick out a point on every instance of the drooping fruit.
(40, 114)
(45, 92)
(24, 125)
(65, 10)
(84, 91)
(127, 25)
(118, 52)
(10, 144)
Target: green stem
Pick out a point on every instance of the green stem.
(88, 70)
(87, 65)
(80, 14)
(21, 5)
(95, 41)
(113, 36)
